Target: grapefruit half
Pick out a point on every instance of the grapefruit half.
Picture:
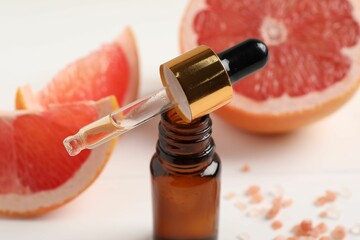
(36, 173)
(314, 65)
(111, 70)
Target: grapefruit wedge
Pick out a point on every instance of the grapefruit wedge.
(111, 70)
(36, 173)
(314, 65)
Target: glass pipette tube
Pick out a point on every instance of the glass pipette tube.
(118, 122)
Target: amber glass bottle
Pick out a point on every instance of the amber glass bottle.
(185, 175)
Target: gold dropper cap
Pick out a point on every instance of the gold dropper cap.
(197, 81)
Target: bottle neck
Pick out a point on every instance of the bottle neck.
(184, 147)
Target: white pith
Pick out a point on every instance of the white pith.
(31, 202)
(273, 31)
(285, 103)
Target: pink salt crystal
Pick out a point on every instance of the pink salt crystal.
(355, 230)
(230, 195)
(320, 201)
(333, 213)
(323, 214)
(344, 193)
(321, 228)
(245, 168)
(254, 189)
(330, 196)
(338, 233)
(287, 203)
(306, 225)
(240, 205)
(305, 230)
(256, 198)
(295, 230)
(276, 225)
(275, 208)
(256, 212)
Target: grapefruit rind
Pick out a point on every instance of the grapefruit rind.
(33, 204)
(282, 123)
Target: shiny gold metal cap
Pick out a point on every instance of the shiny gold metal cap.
(197, 81)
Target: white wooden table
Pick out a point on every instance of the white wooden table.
(39, 38)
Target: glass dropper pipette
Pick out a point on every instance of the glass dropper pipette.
(195, 84)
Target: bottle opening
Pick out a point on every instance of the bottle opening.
(173, 118)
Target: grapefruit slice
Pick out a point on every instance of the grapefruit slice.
(111, 70)
(36, 173)
(314, 65)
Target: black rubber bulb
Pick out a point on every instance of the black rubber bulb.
(244, 58)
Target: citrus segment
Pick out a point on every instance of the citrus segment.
(36, 172)
(111, 70)
(314, 56)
